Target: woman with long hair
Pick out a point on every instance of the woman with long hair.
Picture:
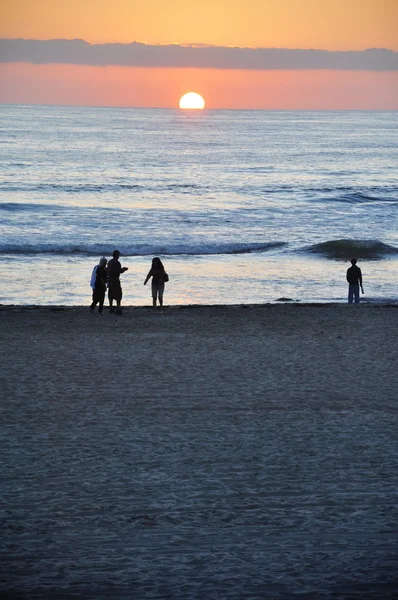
(159, 277)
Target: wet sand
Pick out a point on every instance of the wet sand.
(200, 452)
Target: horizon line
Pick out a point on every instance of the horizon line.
(193, 112)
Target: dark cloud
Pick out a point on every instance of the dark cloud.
(79, 52)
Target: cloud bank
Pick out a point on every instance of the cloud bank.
(137, 54)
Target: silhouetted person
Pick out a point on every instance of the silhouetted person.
(98, 284)
(114, 270)
(159, 277)
(354, 278)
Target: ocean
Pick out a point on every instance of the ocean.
(241, 206)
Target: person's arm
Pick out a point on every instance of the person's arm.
(148, 276)
(120, 268)
(347, 276)
(360, 280)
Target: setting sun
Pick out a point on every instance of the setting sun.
(192, 100)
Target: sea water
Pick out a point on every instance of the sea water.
(241, 206)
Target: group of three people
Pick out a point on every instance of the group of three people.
(107, 275)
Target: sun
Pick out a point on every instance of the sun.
(192, 100)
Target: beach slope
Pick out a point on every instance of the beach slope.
(201, 452)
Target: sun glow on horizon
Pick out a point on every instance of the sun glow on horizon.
(192, 100)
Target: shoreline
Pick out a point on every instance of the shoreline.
(226, 279)
(169, 307)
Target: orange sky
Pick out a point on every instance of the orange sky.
(323, 24)
(327, 24)
(128, 86)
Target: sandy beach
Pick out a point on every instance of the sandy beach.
(203, 452)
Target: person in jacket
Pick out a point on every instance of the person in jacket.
(98, 284)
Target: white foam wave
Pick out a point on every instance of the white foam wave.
(210, 248)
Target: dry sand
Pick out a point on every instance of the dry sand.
(199, 453)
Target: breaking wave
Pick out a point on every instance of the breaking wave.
(347, 248)
(26, 207)
(87, 188)
(141, 249)
(350, 195)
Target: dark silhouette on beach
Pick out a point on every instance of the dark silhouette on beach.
(354, 278)
(159, 277)
(98, 284)
(115, 293)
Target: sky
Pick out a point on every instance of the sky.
(221, 49)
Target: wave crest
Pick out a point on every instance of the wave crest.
(90, 188)
(347, 248)
(350, 195)
(142, 249)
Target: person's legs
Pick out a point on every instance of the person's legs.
(110, 298)
(154, 293)
(101, 299)
(161, 292)
(119, 300)
(94, 302)
(353, 294)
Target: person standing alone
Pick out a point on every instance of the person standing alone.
(354, 278)
(114, 270)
